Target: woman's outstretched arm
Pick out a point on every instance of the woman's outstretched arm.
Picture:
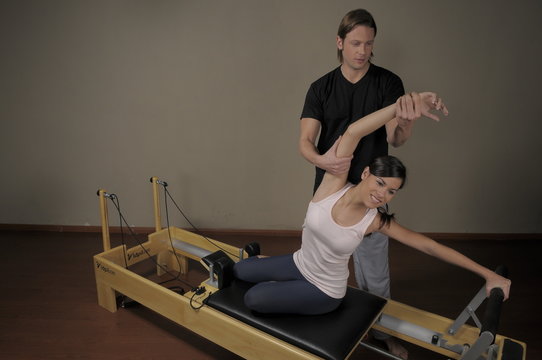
(433, 248)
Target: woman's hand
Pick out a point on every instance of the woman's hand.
(494, 280)
(412, 106)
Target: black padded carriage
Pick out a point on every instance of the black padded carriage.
(330, 336)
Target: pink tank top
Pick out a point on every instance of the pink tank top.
(327, 246)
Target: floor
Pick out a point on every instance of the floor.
(49, 308)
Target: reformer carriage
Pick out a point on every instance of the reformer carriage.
(215, 309)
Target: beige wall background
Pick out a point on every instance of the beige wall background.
(206, 95)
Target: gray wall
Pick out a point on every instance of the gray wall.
(206, 95)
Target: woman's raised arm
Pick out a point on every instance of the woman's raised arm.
(412, 105)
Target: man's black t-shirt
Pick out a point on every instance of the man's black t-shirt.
(336, 103)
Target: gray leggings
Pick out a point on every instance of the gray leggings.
(281, 288)
(372, 269)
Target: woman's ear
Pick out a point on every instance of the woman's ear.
(365, 174)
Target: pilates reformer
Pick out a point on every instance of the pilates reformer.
(221, 317)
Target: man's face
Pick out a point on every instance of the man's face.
(357, 47)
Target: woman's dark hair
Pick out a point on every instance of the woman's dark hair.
(388, 166)
(350, 21)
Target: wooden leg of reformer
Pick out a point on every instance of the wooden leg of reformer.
(182, 261)
(107, 296)
(167, 260)
(184, 264)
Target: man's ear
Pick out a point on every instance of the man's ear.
(339, 43)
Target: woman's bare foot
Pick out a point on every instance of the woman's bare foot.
(395, 348)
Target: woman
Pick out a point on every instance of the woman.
(313, 280)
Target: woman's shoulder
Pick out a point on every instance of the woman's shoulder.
(328, 191)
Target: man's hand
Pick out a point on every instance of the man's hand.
(411, 107)
(333, 164)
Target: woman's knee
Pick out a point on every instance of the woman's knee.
(253, 300)
(241, 271)
(237, 272)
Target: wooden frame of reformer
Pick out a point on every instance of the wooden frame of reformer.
(112, 277)
(242, 339)
(232, 334)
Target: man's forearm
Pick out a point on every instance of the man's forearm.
(309, 152)
(399, 135)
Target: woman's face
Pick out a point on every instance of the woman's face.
(379, 190)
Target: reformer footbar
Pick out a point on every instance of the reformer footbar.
(222, 317)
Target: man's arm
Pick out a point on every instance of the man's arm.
(329, 161)
(398, 131)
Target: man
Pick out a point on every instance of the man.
(355, 89)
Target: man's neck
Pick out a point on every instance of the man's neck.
(354, 75)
